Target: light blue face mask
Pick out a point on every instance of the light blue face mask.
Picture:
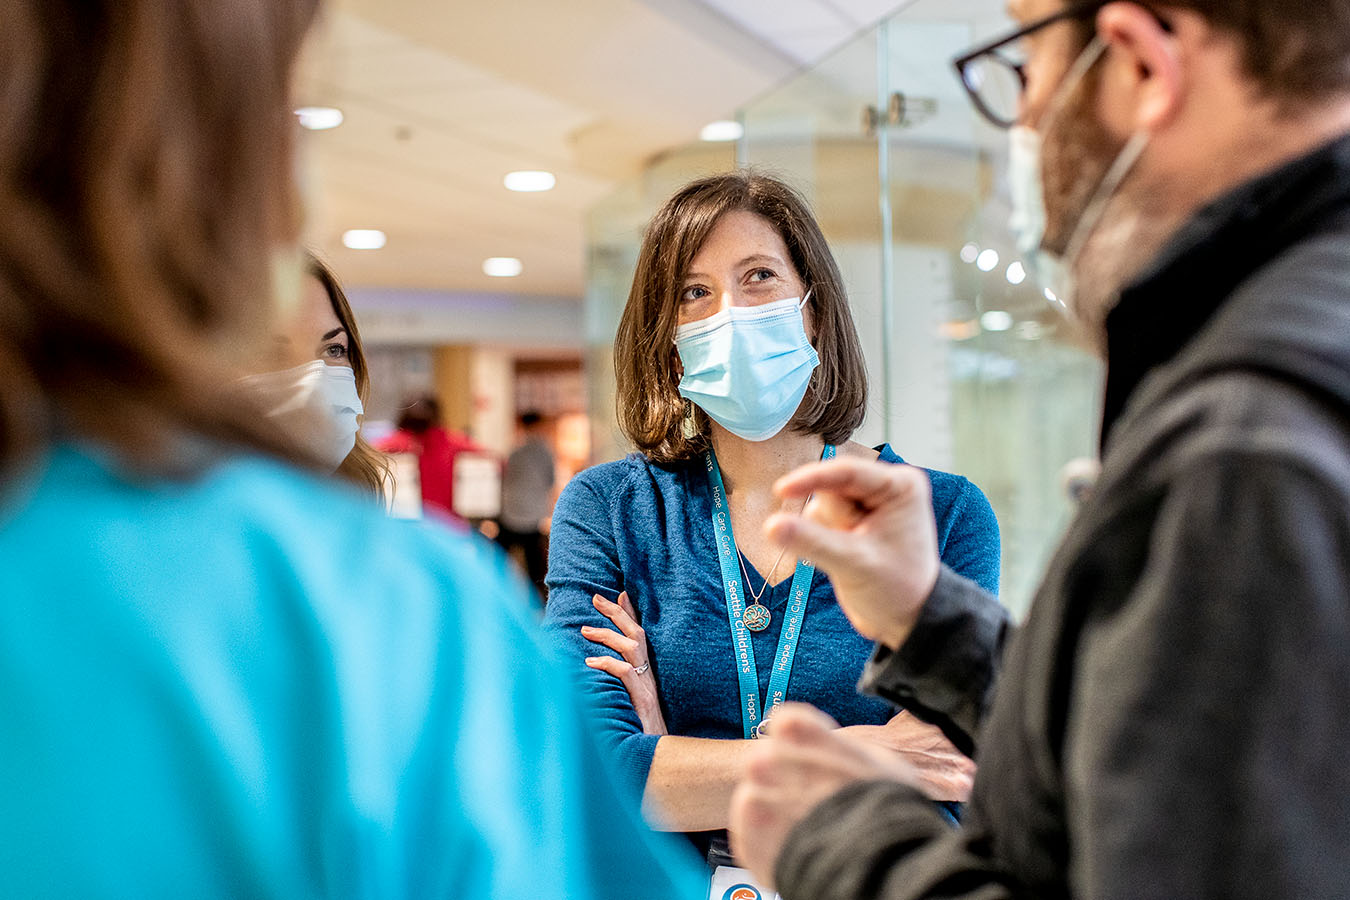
(748, 367)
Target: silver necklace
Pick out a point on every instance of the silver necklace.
(765, 586)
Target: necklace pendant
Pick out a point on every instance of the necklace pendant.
(756, 617)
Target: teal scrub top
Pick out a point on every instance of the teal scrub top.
(250, 683)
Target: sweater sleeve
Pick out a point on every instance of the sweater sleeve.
(946, 672)
(968, 534)
(881, 839)
(584, 561)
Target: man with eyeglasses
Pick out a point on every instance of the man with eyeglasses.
(1170, 721)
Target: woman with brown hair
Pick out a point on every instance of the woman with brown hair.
(221, 675)
(321, 383)
(737, 361)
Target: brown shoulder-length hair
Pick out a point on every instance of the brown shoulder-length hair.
(364, 466)
(145, 182)
(650, 409)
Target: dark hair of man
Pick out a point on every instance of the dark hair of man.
(530, 419)
(364, 466)
(1296, 51)
(651, 411)
(145, 183)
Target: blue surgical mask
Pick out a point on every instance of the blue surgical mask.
(748, 367)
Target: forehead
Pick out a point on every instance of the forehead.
(737, 234)
(315, 316)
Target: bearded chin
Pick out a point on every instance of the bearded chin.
(1133, 226)
(1118, 250)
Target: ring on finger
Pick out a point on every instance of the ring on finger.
(642, 669)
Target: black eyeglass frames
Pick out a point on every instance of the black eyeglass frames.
(994, 75)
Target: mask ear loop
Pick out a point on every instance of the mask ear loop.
(835, 392)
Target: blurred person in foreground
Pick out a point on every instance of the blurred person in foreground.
(222, 675)
(527, 497)
(1171, 719)
(320, 383)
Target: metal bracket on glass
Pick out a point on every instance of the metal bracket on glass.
(905, 111)
(902, 111)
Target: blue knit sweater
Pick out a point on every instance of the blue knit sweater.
(642, 527)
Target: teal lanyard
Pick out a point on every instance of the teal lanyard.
(744, 650)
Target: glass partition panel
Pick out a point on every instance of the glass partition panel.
(972, 368)
(1004, 394)
(818, 133)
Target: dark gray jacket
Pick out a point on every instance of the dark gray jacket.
(1173, 719)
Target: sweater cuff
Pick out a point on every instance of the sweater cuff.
(945, 671)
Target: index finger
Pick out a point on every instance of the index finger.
(865, 482)
(622, 618)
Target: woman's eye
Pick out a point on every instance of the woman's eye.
(693, 293)
(335, 351)
(762, 275)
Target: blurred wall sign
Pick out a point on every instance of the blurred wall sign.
(478, 486)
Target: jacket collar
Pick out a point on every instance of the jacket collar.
(1219, 248)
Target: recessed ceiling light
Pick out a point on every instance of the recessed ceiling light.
(502, 267)
(363, 239)
(1017, 273)
(970, 252)
(725, 130)
(527, 182)
(996, 320)
(319, 118)
(987, 261)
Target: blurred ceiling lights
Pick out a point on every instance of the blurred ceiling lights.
(529, 182)
(319, 118)
(502, 266)
(364, 239)
(725, 130)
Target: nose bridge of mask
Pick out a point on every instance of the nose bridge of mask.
(339, 387)
(738, 314)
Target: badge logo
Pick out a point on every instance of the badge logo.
(742, 892)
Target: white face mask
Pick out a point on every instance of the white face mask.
(317, 404)
(1028, 222)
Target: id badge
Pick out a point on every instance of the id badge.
(731, 883)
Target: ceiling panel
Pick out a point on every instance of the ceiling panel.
(442, 99)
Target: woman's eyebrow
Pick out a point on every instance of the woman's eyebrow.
(753, 258)
(334, 333)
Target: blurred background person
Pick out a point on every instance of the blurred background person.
(222, 675)
(421, 434)
(527, 498)
(737, 360)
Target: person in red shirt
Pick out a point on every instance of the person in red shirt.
(419, 432)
